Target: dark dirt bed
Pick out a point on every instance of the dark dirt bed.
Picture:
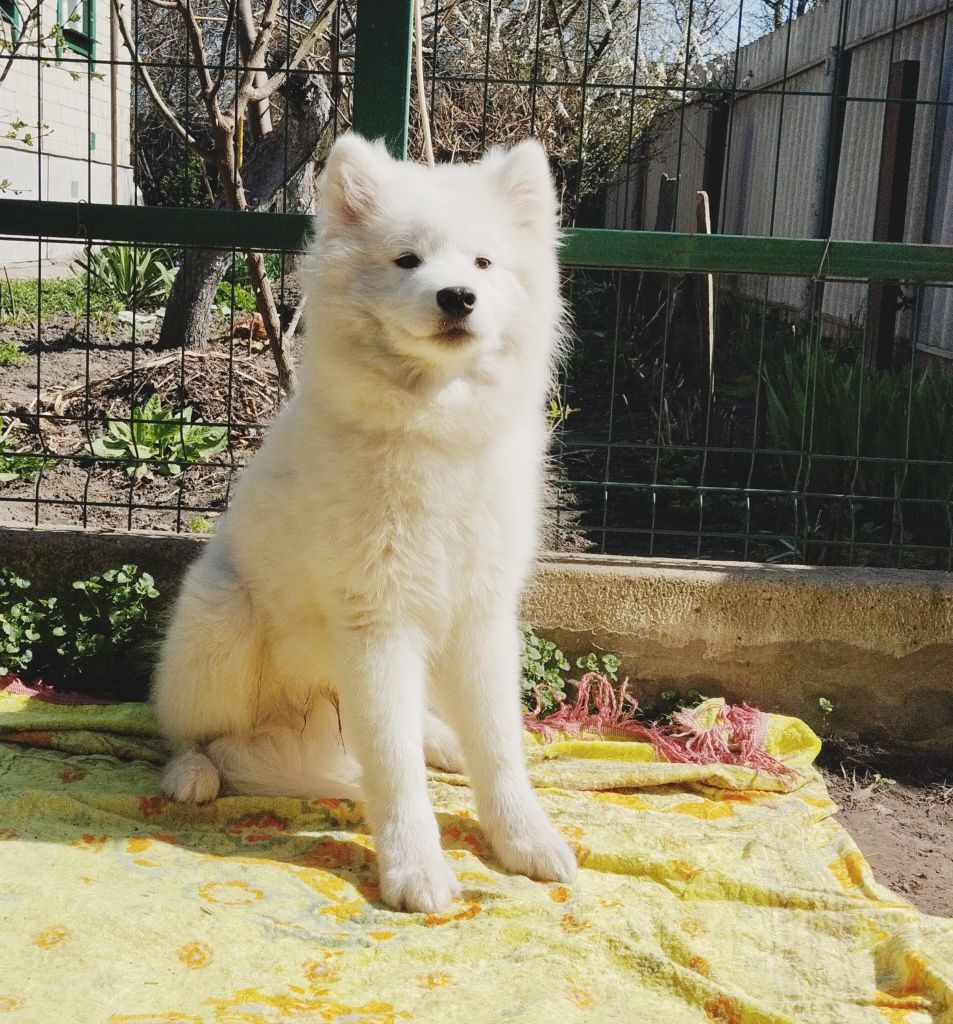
(78, 385)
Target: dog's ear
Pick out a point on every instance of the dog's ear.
(352, 184)
(522, 175)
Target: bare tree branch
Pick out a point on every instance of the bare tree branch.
(304, 48)
(256, 57)
(259, 116)
(200, 60)
(19, 37)
(174, 123)
(223, 49)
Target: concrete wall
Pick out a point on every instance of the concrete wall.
(877, 643)
(70, 156)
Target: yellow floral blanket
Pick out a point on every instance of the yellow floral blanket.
(705, 895)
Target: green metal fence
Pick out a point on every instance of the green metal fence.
(699, 414)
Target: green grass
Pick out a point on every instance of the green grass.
(9, 353)
(23, 301)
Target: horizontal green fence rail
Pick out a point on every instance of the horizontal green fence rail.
(584, 247)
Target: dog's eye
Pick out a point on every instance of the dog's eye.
(482, 262)
(408, 261)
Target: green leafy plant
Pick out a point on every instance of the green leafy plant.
(17, 465)
(275, 263)
(159, 435)
(878, 421)
(545, 678)
(101, 631)
(102, 626)
(21, 619)
(9, 353)
(178, 179)
(138, 278)
(235, 296)
(544, 668)
(848, 433)
(199, 524)
(668, 703)
(605, 664)
(558, 411)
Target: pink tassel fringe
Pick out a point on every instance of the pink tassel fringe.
(736, 738)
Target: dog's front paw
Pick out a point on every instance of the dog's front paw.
(541, 853)
(428, 887)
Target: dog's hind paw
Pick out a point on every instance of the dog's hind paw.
(192, 778)
(427, 888)
(441, 746)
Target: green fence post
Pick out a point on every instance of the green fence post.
(382, 57)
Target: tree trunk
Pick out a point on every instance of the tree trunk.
(268, 167)
(188, 313)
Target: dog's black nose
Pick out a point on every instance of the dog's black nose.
(456, 301)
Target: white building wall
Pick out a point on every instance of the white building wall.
(70, 159)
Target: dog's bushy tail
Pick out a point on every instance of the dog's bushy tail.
(280, 760)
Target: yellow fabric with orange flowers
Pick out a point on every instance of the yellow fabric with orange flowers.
(705, 894)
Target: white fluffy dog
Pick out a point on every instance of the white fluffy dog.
(370, 567)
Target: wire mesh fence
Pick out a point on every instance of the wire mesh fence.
(759, 364)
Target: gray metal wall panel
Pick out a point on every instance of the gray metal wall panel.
(777, 141)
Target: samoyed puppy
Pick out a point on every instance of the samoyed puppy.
(355, 614)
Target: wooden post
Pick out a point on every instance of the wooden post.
(656, 284)
(827, 170)
(665, 214)
(896, 152)
(706, 291)
(713, 173)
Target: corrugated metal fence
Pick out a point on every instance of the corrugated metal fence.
(797, 108)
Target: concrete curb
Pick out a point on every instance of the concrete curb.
(877, 643)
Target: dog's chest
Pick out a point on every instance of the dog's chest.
(415, 523)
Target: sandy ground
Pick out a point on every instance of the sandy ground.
(900, 813)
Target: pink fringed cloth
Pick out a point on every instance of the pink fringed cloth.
(735, 736)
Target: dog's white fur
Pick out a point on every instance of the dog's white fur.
(370, 566)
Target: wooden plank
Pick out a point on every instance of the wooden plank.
(896, 153)
(706, 292)
(745, 254)
(716, 146)
(827, 171)
(665, 212)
